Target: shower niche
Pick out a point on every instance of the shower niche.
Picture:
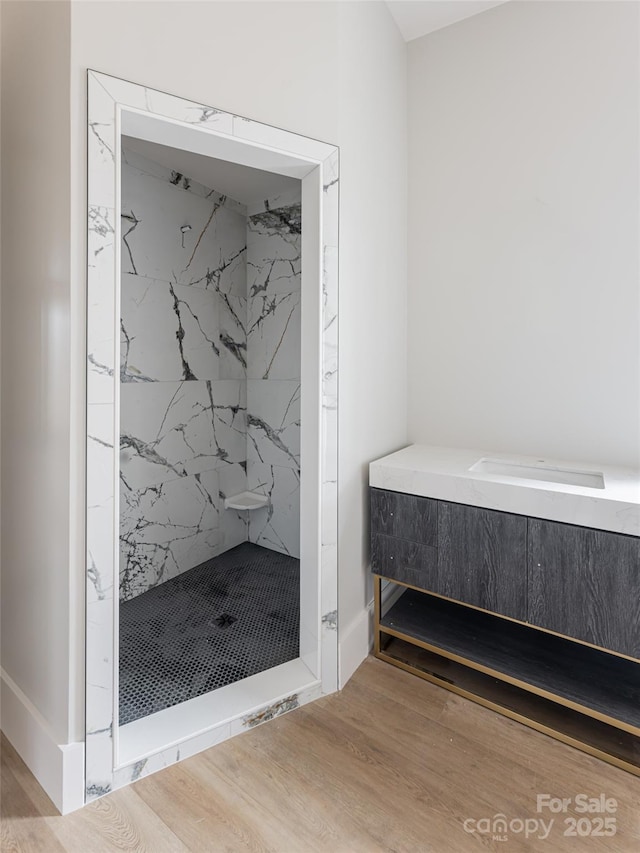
(211, 427)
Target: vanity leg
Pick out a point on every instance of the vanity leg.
(380, 639)
(377, 582)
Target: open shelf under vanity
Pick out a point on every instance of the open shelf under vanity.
(520, 672)
(583, 696)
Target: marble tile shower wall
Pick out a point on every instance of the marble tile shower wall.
(210, 373)
(183, 370)
(273, 370)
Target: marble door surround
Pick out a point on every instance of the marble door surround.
(117, 756)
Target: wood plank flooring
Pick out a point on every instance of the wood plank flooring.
(392, 763)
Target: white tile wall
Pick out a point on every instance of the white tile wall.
(202, 312)
(182, 371)
(273, 370)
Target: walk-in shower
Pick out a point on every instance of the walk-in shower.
(211, 427)
(210, 387)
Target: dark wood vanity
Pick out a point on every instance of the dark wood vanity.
(536, 619)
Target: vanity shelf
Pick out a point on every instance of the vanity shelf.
(604, 741)
(581, 695)
(594, 682)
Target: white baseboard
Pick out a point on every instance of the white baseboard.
(354, 644)
(59, 768)
(356, 641)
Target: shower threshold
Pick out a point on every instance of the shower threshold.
(200, 723)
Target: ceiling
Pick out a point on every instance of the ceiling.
(242, 183)
(416, 18)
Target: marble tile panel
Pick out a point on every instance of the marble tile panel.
(234, 524)
(167, 331)
(178, 180)
(100, 455)
(205, 740)
(329, 448)
(328, 531)
(232, 336)
(101, 142)
(273, 336)
(273, 422)
(276, 526)
(101, 321)
(101, 536)
(260, 716)
(172, 429)
(228, 274)
(330, 327)
(164, 104)
(118, 91)
(229, 400)
(211, 254)
(287, 198)
(330, 200)
(328, 655)
(171, 755)
(166, 529)
(329, 472)
(274, 137)
(273, 266)
(99, 710)
(101, 526)
(330, 366)
(98, 763)
(274, 251)
(190, 112)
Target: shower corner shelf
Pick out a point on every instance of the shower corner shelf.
(246, 501)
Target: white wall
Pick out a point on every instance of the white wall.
(333, 71)
(372, 101)
(36, 596)
(523, 209)
(0, 354)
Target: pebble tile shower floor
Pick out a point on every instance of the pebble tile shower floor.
(231, 617)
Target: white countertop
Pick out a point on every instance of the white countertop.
(443, 473)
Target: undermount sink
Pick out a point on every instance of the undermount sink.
(502, 468)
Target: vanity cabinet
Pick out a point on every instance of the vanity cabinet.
(404, 533)
(585, 583)
(461, 552)
(561, 587)
(404, 516)
(575, 581)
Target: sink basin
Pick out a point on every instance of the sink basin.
(502, 468)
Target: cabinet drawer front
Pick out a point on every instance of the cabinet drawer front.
(402, 560)
(482, 556)
(404, 516)
(585, 584)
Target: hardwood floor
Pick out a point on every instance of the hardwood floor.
(392, 763)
